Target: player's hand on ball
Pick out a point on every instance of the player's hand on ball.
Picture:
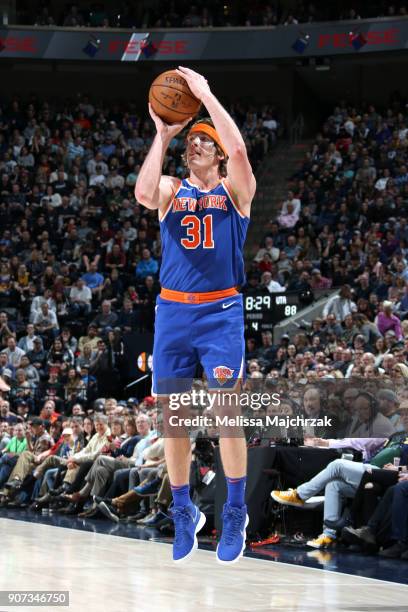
(196, 82)
(164, 129)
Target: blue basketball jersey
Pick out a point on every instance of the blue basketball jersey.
(203, 235)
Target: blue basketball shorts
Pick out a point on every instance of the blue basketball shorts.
(188, 334)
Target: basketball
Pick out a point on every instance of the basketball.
(171, 98)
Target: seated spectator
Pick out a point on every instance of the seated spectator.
(333, 326)
(91, 339)
(23, 389)
(318, 281)
(107, 319)
(391, 517)
(116, 258)
(59, 355)
(52, 388)
(38, 355)
(112, 287)
(75, 388)
(147, 266)
(97, 160)
(367, 329)
(10, 453)
(46, 323)
(13, 352)
(265, 265)
(5, 436)
(68, 340)
(22, 409)
(267, 248)
(86, 456)
(386, 321)
(93, 279)
(6, 373)
(6, 415)
(387, 363)
(39, 300)
(292, 249)
(48, 412)
(6, 330)
(290, 212)
(44, 475)
(89, 381)
(85, 358)
(313, 404)
(388, 403)
(53, 462)
(273, 285)
(400, 372)
(340, 305)
(128, 318)
(80, 297)
(21, 284)
(26, 343)
(6, 286)
(38, 440)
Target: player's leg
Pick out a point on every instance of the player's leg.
(178, 459)
(222, 349)
(234, 460)
(188, 520)
(174, 363)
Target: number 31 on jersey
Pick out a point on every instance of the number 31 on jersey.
(198, 232)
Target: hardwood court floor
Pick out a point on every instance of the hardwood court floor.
(109, 573)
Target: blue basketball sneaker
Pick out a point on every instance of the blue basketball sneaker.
(232, 543)
(188, 521)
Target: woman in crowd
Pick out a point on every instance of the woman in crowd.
(74, 388)
(59, 354)
(89, 429)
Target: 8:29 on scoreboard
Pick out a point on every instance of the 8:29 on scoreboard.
(262, 310)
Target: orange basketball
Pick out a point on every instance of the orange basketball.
(171, 98)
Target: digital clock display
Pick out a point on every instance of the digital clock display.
(257, 302)
(263, 311)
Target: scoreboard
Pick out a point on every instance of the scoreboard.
(264, 310)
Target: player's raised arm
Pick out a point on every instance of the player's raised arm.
(152, 189)
(239, 169)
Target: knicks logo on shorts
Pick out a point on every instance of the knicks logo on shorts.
(222, 374)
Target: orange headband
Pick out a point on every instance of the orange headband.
(210, 131)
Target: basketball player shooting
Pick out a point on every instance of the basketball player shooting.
(199, 313)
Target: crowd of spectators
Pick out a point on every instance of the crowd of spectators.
(104, 459)
(199, 15)
(365, 500)
(109, 449)
(108, 461)
(79, 258)
(343, 226)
